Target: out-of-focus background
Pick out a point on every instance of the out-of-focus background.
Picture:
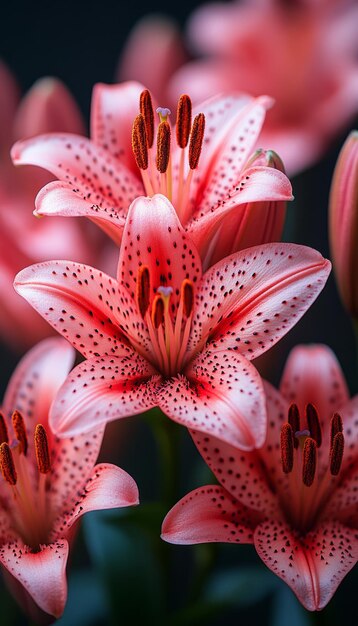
(81, 43)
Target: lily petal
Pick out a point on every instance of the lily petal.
(47, 107)
(313, 566)
(108, 487)
(78, 162)
(267, 290)
(113, 109)
(313, 374)
(240, 473)
(226, 135)
(155, 237)
(64, 293)
(100, 390)
(258, 184)
(42, 574)
(206, 515)
(58, 198)
(221, 394)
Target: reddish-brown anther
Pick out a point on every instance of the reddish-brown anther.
(158, 311)
(294, 420)
(146, 109)
(187, 290)
(4, 436)
(309, 461)
(336, 426)
(336, 454)
(287, 448)
(183, 122)
(7, 464)
(42, 450)
(143, 289)
(313, 424)
(163, 147)
(20, 430)
(196, 140)
(140, 142)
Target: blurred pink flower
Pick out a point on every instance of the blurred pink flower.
(166, 335)
(48, 106)
(153, 52)
(343, 223)
(225, 199)
(296, 498)
(48, 483)
(302, 53)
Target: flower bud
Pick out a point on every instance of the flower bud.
(255, 223)
(343, 223)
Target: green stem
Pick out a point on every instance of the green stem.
(205, 558)
(167, 436)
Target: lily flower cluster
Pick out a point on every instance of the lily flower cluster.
(203, 287)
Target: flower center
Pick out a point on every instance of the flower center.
(309, 485)
(161, 171)
(27, 505)
(169, 328)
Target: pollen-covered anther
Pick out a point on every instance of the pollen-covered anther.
(140, 142)
(196, 140)
(143, 289)
(4, 436)
(42, 450)
(163, 147)
(146, 109)
(309, 461)
(313, 424)
(336, 454)
(183, 121)
(18, 425)
(7, 464)
(158, 311)
(187, 294)
(294, 420)
(287, 448)
(336, 426)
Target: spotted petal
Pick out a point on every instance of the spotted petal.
(240, 473)
(92, 173)
(100, 390)
(221, 394)
(313, 566)
(153, 236)
(230, 135)
(208, 514)
(107, 487)
(251, 299)
(79, 302)
(58, 198)
(113, 109)
(42, 574)
(255, 185)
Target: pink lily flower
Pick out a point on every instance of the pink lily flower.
(306, 60)
(343, 223)
(295, 499)
(48, 106)
(48, 483)
(166, 335)
(206, 172)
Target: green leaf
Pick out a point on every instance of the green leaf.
(240, 587)
(127, 559)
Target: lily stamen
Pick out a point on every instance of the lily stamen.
(42, 450)
(146, 109)
(20, 431)
(309, 489)
(7, 464)
(4, 436)
(143, 289)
